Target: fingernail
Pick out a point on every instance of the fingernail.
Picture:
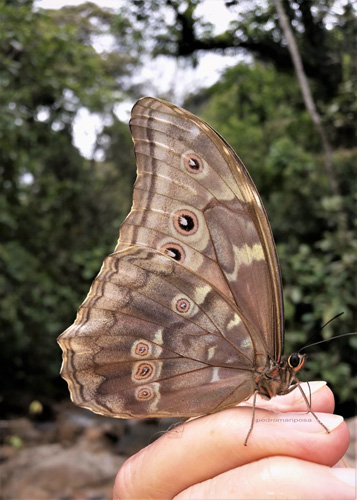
(307, 422)
(314, 387)
(329, 419)
(347, 476)
(295, 397)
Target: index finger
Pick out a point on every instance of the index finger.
(208, 446)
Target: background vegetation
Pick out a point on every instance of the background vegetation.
(60, 212)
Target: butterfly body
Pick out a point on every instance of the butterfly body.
(185, 317)
(276, 378)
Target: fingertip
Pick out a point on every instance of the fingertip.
(322, 399)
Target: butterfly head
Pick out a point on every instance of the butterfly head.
(290, 364)
(276, 378)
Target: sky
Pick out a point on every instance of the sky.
(213, 11)
(170, 76)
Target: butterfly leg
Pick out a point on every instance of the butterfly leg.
(253, 419)
(309, 406)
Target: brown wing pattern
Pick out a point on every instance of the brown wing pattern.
(191, 297)
(234, 243)
(151, 337)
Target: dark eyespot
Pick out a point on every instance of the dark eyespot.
(182, 305)
(174, 251)
(193, 163)
(185, 222)
(144, 394)
(141, 349)
(144, 371)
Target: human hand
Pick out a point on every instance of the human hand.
(289, 455)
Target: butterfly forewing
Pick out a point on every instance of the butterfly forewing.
(232, 227)
(189, 306)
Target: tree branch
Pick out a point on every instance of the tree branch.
(307, 96)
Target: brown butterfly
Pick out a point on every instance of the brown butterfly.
(186, 316)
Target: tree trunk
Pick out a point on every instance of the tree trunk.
(307, 96)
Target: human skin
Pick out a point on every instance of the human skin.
(288, 456)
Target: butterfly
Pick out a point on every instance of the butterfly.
(185, 317)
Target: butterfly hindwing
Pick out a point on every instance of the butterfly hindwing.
(144, 328)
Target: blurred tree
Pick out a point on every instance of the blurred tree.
(325, 37)
(308, 100)
(57, 212)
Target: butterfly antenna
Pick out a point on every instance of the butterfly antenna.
(316, 333)
(332, 319)
(327, 340)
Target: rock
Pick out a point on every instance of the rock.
(53, 472)
(29, 432)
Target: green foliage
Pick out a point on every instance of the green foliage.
(59, 213)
